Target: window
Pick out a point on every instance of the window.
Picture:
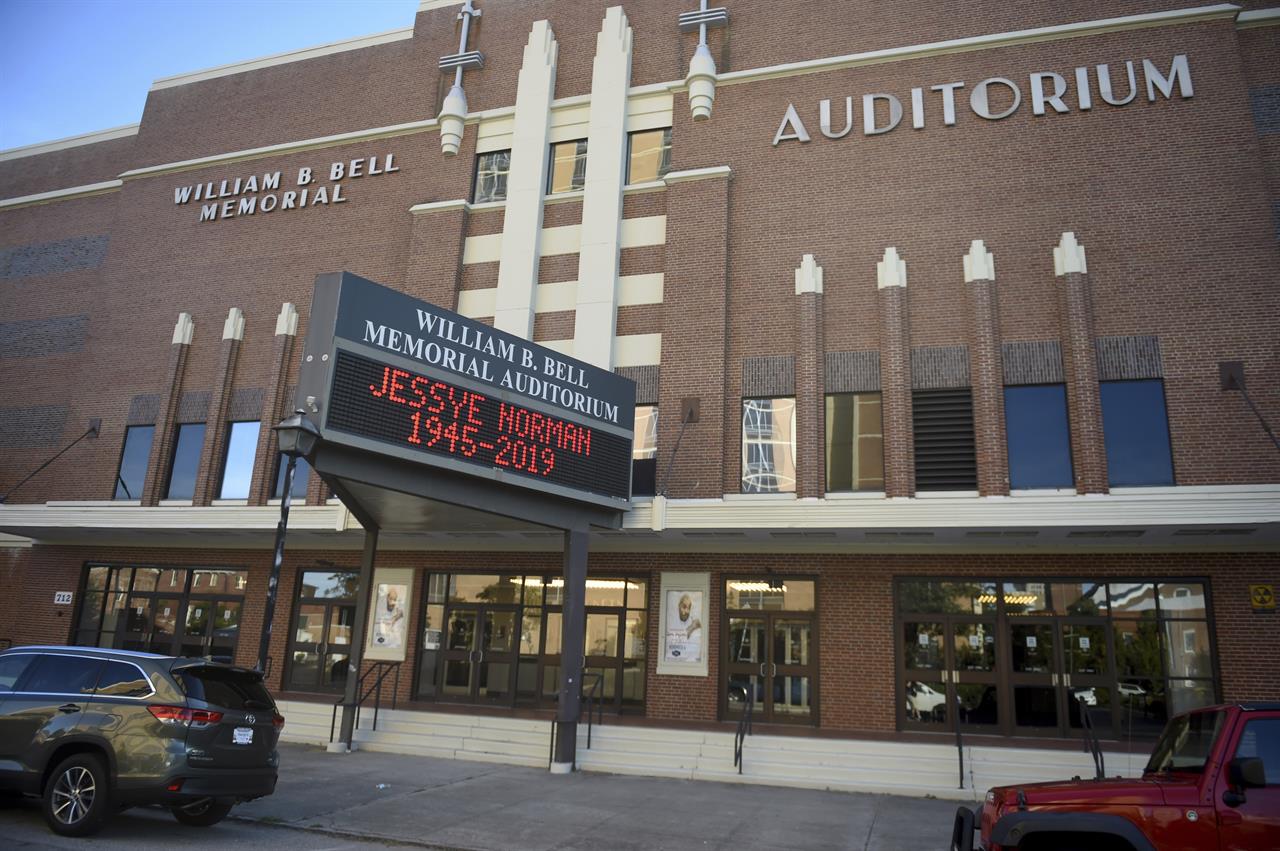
(1136, 432)
(568, 166)
(1035, 421)
(644, 452)
(855, 442)
(491, 176)
(1261, 740)
(943, 427)
(237, 467)
(301, 476)
(63, 675)
(121, 679)
(186, 461)
(11, 668)
(133, 461)
(649, 155)
(769, 445)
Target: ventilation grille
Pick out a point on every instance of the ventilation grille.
(945, 459)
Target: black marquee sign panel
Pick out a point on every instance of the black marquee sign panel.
(387, 373)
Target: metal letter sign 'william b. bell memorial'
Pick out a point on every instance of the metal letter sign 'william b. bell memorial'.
(389, 374)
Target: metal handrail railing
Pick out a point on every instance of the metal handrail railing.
(381, 669)
(959, 740)
(1092, 744)
(744, 723)
(592, 701)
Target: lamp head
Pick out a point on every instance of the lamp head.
(297, 435)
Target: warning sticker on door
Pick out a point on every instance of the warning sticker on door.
(1084, 642)
(923, 639)
(1031, 642)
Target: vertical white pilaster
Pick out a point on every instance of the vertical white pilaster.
(526, 184)
(597, 311)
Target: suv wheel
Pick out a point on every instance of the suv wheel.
(77, 796)
(202, 813)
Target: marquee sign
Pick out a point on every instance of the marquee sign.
(409, 379)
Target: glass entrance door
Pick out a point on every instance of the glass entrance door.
(479, 655)
(320, 644)
(770, 644)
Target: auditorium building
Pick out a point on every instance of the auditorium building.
(954, 339)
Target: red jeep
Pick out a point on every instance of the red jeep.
(1213, 782)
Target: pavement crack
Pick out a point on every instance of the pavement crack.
(875, 811)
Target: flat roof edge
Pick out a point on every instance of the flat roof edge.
(91, 138)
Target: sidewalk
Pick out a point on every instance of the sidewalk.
(477, 806)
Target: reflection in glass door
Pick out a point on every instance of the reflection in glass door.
(320, 644)
(479, 654)
(770, 649)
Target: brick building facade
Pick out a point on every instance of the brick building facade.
(949, 296)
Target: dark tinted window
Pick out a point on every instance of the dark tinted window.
(133, 462)
(301, 476)
(11, 667)
(1187, 742)
(1036, 427)
(63, 675)
(237, 468)
(225, 688)
(186, 461)
(1136, 432)
(1261, 739)
(120, 679)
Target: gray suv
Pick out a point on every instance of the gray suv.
(94, 731)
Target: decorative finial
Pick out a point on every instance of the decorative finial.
(701, 80)
(808, 276)
(979, 263)
(1068, 256)
(453, 113)
(892, 270)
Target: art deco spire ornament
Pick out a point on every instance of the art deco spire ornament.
(453, 114)
(702, 68)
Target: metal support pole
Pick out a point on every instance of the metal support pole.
(357, 638)
(572, 642)
(273, 583)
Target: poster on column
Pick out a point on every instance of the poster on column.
(389, 619)
(685, 625)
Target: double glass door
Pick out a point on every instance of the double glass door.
(947, 673)
(320, 644)
(1059, 668)
(479, 654)
(771, 657)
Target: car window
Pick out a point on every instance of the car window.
(1261, 738)
(120, 679)
(224, 687)
(11, 667)
(1186, 742)
(63, 675)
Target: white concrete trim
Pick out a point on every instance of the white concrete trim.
(62, 194)
(183, 329)
(635, 290)
(1258, 18)
(336, 139)
(287, 320)
(892, 270)
(357, 43)
(637, 232)
(808, 276)
(570, 122)
(556, 297)
(674, 177)
(476, 303)
(15, 542)
(93, 138)
(563, 197)
(643, 231)
(596, 316)
(637, 350)
(429, 5)
(436, 206)
(1069, 257)
(560, 296)
(981, 42)
(519, 247)
(979, 263)
(486, 248)
(233, 328)
(642, 188)
(649, 111)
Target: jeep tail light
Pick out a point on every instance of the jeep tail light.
(180, 716)
(278, 721)
(175, 786)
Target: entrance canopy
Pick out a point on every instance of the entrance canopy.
(426, 416)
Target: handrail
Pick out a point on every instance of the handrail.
(591, 699)
(381, 669)
(959, 739)
(1091, 742)
(744, 723)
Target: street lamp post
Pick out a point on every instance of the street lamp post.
(297, 436)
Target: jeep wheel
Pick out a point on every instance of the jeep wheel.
(205, 812)
(77, 796)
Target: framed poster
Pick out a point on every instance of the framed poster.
(685, 619)
(388, 632)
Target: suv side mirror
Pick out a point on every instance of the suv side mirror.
(1247, 773)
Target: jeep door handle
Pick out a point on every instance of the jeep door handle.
(69, 707)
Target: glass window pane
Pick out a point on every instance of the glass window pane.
(437, 588)
(485, 588)
(337, 584)
(123, 577)
(927, 702)
(1035, 706)
(792, 595)
(1261, 740)
(769, 445)
(1144, 708)
(1135, 430)
(637, 594)
(1182, 600)
(637, 634)
(91, 610)
(219, 582)
(138, 616)
(301, 478)
(922, 646)
(1085, 647)
(1133, 599)
(133, 461)
(650, 155)
(491, 176)
(568, 166)
(746, 640)
(855, 442)
(113, 616)
(1185, 695)
(602, 635)
(931, 596)
(1032, 646)
(606, 592)
(1026, 598)
(237, 468)
(1079, 598)
(166, 617)
(791, 642)
(11, 667)
(1186, 647)
(63, 675)
(145, 578)
(1137, 649)
(186, 461)
(555, 631)
(1036, 431)
(531, 632)
(97, 580)
(120, 679)
(977, 704)
(646, 439)
(973, 646)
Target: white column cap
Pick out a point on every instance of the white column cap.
(287, 321)
(979, 263)
(892, 270)
(233, 328)
(183, 330)
(1068, 256)
(808, 276)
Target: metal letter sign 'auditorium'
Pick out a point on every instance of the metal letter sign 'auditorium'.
(409, 379)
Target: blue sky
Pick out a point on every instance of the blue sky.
(75, 66)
